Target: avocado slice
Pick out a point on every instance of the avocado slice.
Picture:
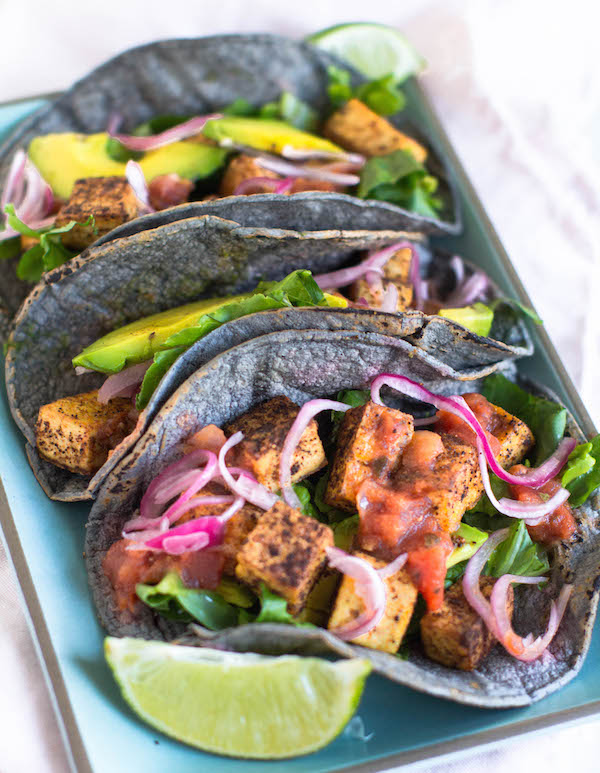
(63, 158)
(264, 134)
(140, 340)
(477, 318)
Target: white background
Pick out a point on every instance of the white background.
(517, 87)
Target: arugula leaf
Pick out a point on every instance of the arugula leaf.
(518, 554)
(49, 253)
(525, 311)
(381, 95)
(10, 248)
(547, 420)
(582, 473)
(273, 609)
(399, 178)
(173, 600)
(297, 289)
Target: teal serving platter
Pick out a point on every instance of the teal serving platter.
(45, 541)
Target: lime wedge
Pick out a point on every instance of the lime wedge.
(241, 705)
(374, 49)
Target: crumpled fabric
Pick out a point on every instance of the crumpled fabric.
(515, 85)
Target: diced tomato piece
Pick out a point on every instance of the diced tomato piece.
(167, 190)
(422, 451)
(555, 527)
(426, 565)
(450, 424)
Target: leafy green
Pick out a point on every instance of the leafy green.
(160, 123)
(304, 495)
(10, 248)
(297, 289)
(547, 420)
(518, 554)
(174, 601)
(381, 95)
(345, 531)
(287, 108)
(329, 514)
(400, 179)
(273, 609)
(525, 311)
(473, 539)
(582, 473)
(49, 253)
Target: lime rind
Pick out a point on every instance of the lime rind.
(374, 49)
(237, 704)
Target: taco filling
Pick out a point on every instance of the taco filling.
(69, 189)
(361, 523)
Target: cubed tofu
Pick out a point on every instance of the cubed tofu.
(265, 429)
(515, 437)
(455, 635)
(401, 597)
(286, 551)
(396, 271)
(111, 200)
(242, 168)
(78, 433)
(356, 127)
(370, 442)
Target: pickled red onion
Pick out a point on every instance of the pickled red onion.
(176, 133)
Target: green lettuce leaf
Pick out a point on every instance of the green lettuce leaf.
(273, 609)
(547, 420)
(520, 308)
(297, 289)
(518, 554)
(49, 253)
(10, 248)
(582, 473)
(400, 179)
(174, 601)
(381, 95)
(287, 108)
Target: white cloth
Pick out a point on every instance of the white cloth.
(515, 84)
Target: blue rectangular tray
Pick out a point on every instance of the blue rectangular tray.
(45, 541)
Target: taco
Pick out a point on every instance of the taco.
(70, 177)
(238, 510)
(76, 434)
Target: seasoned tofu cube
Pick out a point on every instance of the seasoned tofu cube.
(265, 429)
(401, 597)
(242, 168)
(370, 441)
(356, 127)
(515, 437)
(455, 635)
(286, 551)
(111, 200)
(78, 433)
(396, 271)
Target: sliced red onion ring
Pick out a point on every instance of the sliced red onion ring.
(393, 567)
(122, 382)
(190, 536)
(494, 612)
(533, 478)
(175, 511)
(389, 303)
(469, 291)
(458, 266)
(419, 287)
(180, 132)
(532, 513)
(150, 508)
(145, 524)
(369, 586)
(373, 264)
(301, 154)
(135, 178)
(245, 486)
(308, 411)
(15, 181)
(425, 421)
(287, 169)
(278, 186)
(81, 371)
(527, 648)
